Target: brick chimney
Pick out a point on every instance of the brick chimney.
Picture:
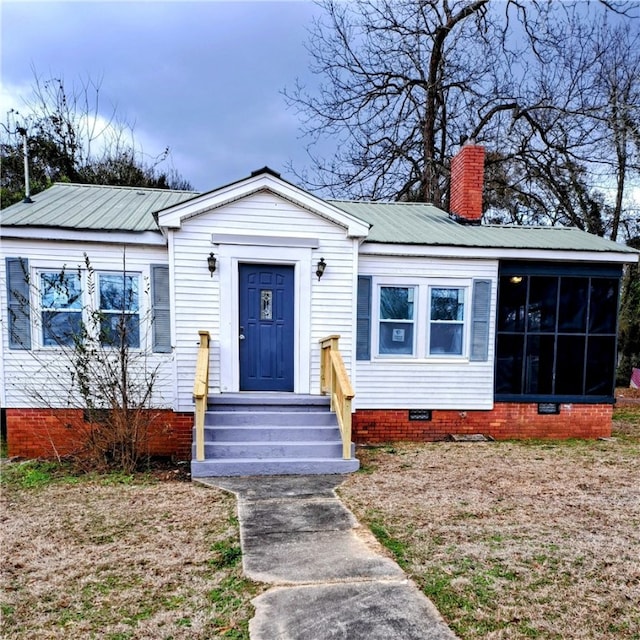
(467, 180)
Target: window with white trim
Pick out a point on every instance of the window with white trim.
(423, 318)
(446, 321)
(56, 306)
(60, 307)
(119, 305)
(396, 321)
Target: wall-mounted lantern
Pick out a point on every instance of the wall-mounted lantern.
(211, 262)
(322, 265)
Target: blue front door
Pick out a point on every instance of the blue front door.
(266, 327)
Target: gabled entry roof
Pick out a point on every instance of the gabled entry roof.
(262, 180)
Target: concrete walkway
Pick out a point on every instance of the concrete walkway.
(331, 579)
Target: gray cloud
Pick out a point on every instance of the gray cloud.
(203, 78)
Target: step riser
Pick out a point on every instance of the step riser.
(270, 434)
(273, 450)
(266, 435)
(268, 407)
(270, 418)
(273, 402)
(212, 468)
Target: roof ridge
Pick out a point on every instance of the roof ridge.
(535, 226)
(123, 187)
(404, 204)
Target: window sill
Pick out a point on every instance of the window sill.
(534, 399)
(418, 361)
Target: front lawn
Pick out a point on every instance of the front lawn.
(509, 540)
(514, 539)
(118, 557)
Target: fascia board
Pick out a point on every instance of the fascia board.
(496, 253)
(173, 217)
(151, 238)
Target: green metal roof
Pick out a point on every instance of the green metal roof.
(109, 208)
(93, 207)
(424, 224)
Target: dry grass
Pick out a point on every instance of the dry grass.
(515, 540)
(102, 559)
(510, 540)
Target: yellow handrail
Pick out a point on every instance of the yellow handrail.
(334, 380)
(201, 391)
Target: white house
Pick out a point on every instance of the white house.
(446, 326)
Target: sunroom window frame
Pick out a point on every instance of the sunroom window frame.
(558, 271)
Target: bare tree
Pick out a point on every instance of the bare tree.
(72, 137)
(537, 82)
(570, 152)
(94, 358)
(396, 83)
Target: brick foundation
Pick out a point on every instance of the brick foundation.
(506, 421)
(48, 433)
(45, 433)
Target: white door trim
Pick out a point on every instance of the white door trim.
(229, 259)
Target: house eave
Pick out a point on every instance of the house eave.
(145, 238)
(496, 253)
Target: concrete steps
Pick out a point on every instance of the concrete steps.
(271, 434)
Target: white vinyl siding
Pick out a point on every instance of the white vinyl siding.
(28, 372)
(205, 302)
(428, 381)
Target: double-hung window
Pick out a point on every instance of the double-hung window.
(58, 307)
(424, 318)
(61, 307)
(446, 321)
(119, 298)
(396, 327)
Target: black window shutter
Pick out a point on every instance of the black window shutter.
(18, 303)
(480, 310)
(363, 324)
(161, 308)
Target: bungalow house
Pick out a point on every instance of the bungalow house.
(262, 301)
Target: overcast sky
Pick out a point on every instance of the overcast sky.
(203, 78)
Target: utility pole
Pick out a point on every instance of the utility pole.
(27, 189)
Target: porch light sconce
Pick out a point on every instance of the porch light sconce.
(322, 265)
(211, 261)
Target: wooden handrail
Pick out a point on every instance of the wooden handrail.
(334, 380)
(201, 391)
